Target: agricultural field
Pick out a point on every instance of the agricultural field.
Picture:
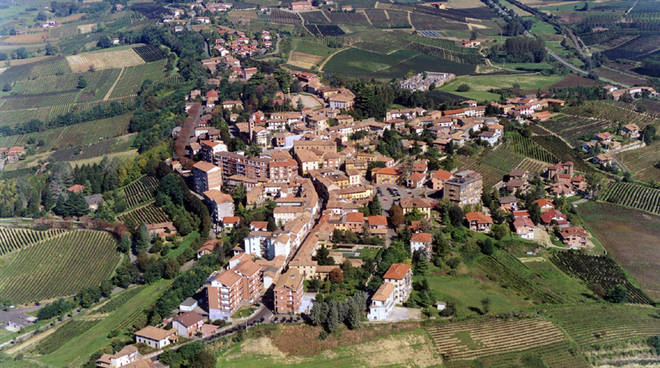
(601, 325)
(63, 334)
(52, 268)
(614, 227)
(641, 163)
(557, 147)
(532, 166)
(132, 78)
(76, 348)
(149, 214)
(633, 196)
(108, 59)
(576, 129)
(480, 85)
(492, 165)
(598, 272)
(527, 147)
(612, 111)
(283, 17)
(119, 299)
(12, 239)
(150, 53)
(140, 191)
(476, 339)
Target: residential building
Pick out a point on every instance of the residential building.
(416, 180)
(439, 178)
(188, 324)
(127, 355)
(422, 242)
(464, 188)
(377, 225)
(233, 163)
(227, 289)
(206, 176)
(386, 175)
(382, 302)
(288, 292)
(574, 236)
(524, 227)
(477, 221)
(411, 204)
(400, 275)
(221, 204)
(297, 6)
(155, 337)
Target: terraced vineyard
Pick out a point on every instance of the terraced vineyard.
(606, 324)
(119, 300)
(492, 165)
(476, 339)
(527, 147)
(12, 239)
(149, 214)
(532, 166)
(63, 334)
(555, 355)
(633, 196)
(140, 191)
(54, 267)
(598, 271)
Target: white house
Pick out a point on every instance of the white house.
(399, 275)
(127, 355)
(421, 241)
(382, 302)
(256, 242)
(524, 227)
(187, 324)
(155, 337)
(188, 305)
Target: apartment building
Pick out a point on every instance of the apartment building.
(288, 292)
(399, 275)
(206, 177)
(233, 163)
(228, 289)
(464, 188)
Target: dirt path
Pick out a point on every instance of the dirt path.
(556, 135)
(330, 57)
(326, 16)
(361, 11)
(410, 21)
(112, 88)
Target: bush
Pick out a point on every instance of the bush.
(463, 88)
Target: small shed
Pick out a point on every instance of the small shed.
(188, 305)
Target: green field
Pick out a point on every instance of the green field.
(641, 162)
(311, 46)
(492, 165)
(76, 350)
(55, 267)
(481, 84)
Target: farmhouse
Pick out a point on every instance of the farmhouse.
(573, 236)
(477, 221)
(188, 324)
(297, 6)
(155, 337)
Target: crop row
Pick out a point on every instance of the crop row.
(633, 196)
(150, 53)
(60, 266)
(149, 214)
(598, 271)
(532, 166)
(140, 191)
(12, 239)
(527, 147)
(119, 300)
(62, 335)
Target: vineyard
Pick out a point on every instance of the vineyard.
(12, 239)
(555, 355)
(510, 273)
(598, 271)
(283, 17)
(476, 339)
(133, 76)
(140, 191)
(633, 196)
(149, 214)
(606, 324)
(119, 300)
(63, 334)
(527, 147)
(150, 53)
(53, 267)
(492, 165)
(532, 166)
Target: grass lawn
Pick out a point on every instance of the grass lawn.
(481, 84)
(312, 47)
(542, 28)
(469, 289)
(243, 312)
(77, 350)
(185, 244)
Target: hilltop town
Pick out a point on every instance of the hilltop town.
(206, 184)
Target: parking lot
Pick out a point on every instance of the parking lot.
(389, 194)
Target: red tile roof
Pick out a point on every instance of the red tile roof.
(355, 217)
(421, 237)
(478, 217)
(377, 220)
(397, 271)
(442, 175)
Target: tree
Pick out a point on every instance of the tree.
(455, 215)
(648, 134)
(142, 239)
(124, 244)
(618, 294)
(463, 88)
(323, 257)
(82, 82)
(396, 216)
(332, 321)
(336, 276)
(500, 231)
(104, 42)
(485, 305)
(375, 207)
(487, 246)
